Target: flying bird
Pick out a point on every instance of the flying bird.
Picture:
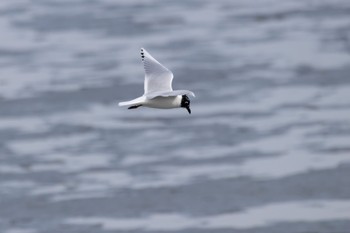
(158, 91)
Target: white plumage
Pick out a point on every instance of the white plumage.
(158, 91)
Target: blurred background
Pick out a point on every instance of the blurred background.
(267, 148)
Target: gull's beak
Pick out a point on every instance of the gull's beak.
(188, 109)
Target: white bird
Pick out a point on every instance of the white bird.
(158, 91)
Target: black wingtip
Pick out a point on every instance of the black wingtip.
(142, 55)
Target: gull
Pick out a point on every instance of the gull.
(158, 91)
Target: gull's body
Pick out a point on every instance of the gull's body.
(160, 102)
(158, 91)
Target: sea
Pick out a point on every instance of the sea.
(265, 150)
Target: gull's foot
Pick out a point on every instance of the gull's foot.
(135, 106)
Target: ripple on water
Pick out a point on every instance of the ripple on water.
(260, 216)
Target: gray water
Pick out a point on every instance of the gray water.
(266, 149)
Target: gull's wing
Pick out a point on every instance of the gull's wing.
(157, 76)
(168, 93)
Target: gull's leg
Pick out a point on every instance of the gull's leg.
(134, 106)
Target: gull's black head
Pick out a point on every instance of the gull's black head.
(185, 103)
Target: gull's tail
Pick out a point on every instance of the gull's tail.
(126, 103)
(137, 101)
